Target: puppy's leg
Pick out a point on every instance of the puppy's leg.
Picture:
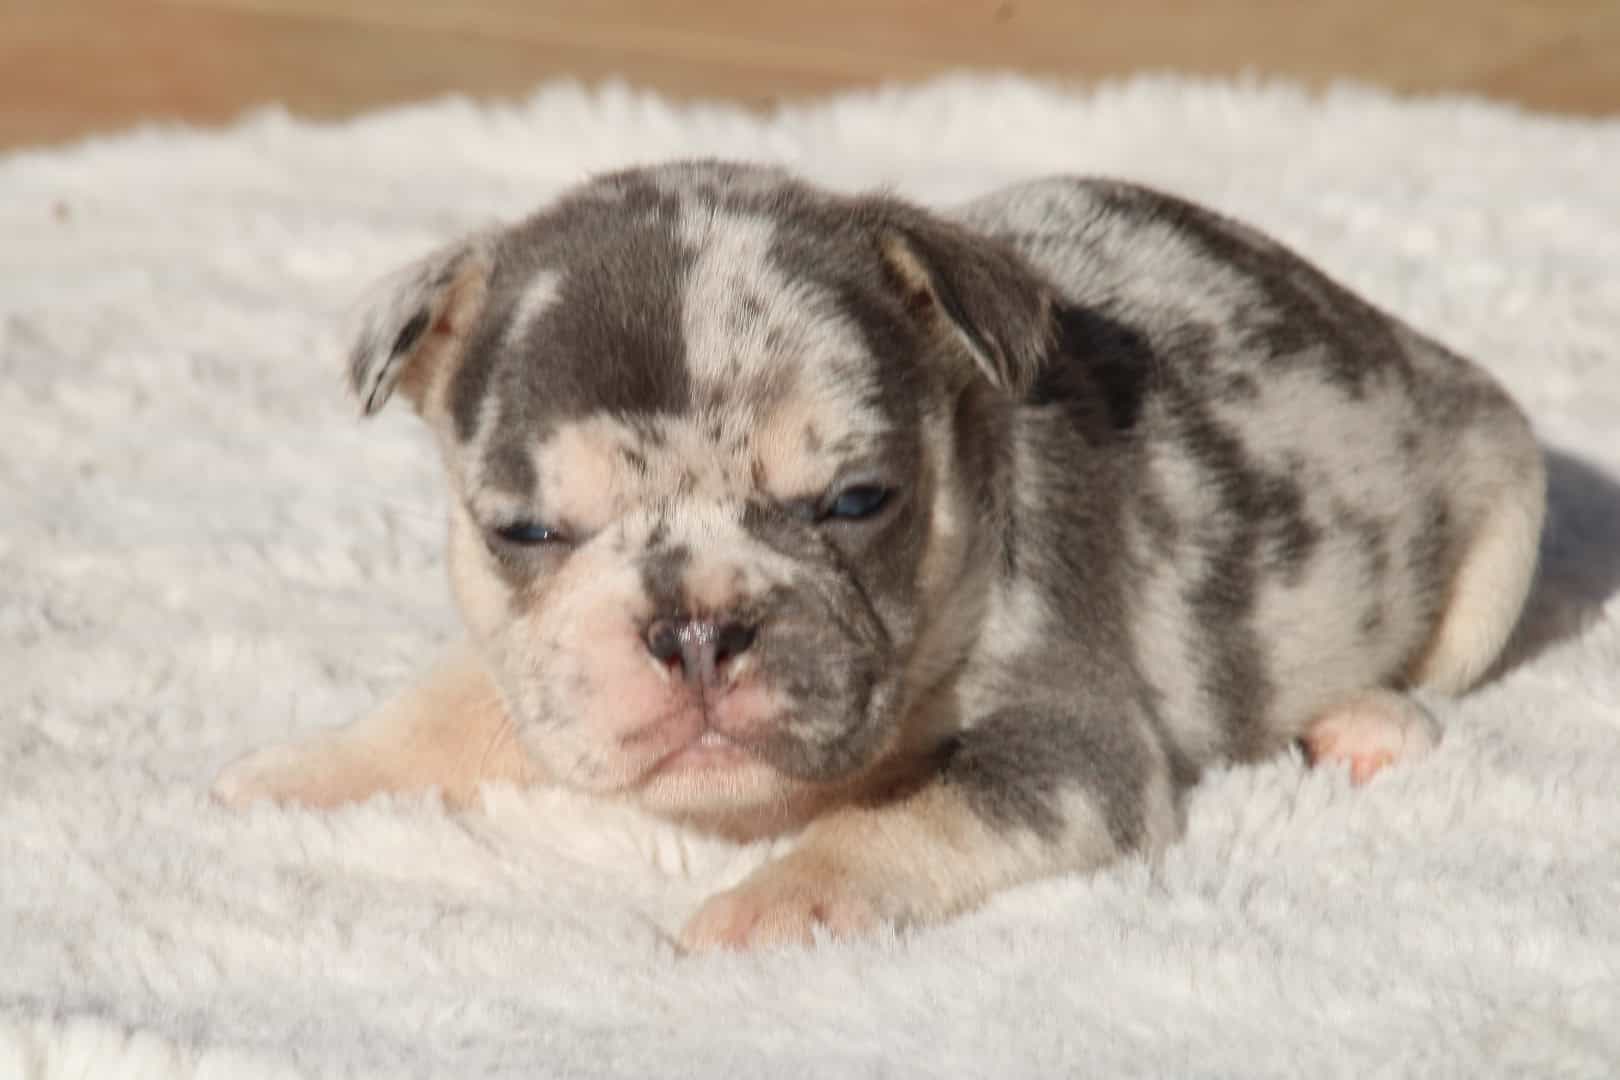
(1489, 588)
(1371, 730)
(1484, 597)
(1024, 796)
(450, 732)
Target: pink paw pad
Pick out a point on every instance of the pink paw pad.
(1371, 731)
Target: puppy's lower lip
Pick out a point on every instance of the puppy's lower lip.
(710, 750)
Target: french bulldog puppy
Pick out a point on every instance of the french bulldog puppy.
(959, 542)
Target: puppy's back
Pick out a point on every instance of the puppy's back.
(1321, 500)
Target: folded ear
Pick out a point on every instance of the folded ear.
(980, 291)
(418, 321)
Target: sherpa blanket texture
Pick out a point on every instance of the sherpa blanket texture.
(202, 550)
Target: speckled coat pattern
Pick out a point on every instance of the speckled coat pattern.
(1147, 493)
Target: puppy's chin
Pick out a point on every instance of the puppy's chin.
(685, 776)
(730, 792)
(724, 788)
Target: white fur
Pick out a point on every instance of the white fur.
(202, 552)
(539, 294)
(817, 341)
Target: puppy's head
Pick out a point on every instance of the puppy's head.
(721, 449)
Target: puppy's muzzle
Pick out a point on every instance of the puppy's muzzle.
(705, 651)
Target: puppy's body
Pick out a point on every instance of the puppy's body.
(1289, 480)
(965, 542)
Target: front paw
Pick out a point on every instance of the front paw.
(784, 902)
(309, 774)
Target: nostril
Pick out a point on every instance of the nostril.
(699, 649)
(663, 639)
(732, 640)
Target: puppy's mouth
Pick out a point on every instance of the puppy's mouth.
(711, 751)
(692, 744)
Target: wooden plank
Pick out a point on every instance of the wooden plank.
(77, 66)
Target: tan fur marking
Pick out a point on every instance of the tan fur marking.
(788, 471)
(480, 594)
(581, 478)
(428, 371)
(917, 861)
(717, 584)
(449, 732)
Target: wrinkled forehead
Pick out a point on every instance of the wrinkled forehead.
(661, 329)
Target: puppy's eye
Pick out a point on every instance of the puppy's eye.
(854, 503)
(528, 534)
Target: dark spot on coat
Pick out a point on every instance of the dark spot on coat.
(663, 578)
(659, 532)
(510, 467)
(1372, 538)
(611, 340)
(410, 332)
(1238, 386)
(1015, 766)
(1429, 552)
(1290, 535)
(1101, 373)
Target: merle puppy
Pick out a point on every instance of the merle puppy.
(959, 542)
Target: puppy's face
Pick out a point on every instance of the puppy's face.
(708, 517)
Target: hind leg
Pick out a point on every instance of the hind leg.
(1489, 588)
(1370, 731)
(1486, 593)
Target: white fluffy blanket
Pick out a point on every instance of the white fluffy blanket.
(201, 550)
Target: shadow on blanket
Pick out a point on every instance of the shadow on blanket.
(1580, 559)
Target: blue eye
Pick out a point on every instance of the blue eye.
(854, 503)
(529, 534)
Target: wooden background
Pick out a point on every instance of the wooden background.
(72, 67)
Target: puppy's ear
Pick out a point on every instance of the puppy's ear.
(978, 290)
(416, 324)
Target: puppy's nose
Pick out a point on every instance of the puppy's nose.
(702, 648)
